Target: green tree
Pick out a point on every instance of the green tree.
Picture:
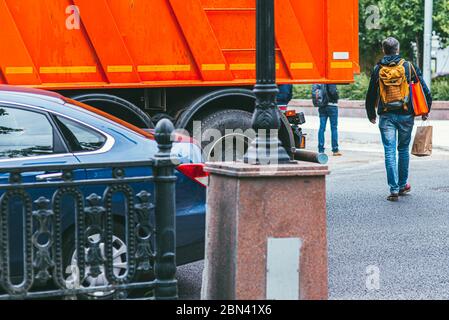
(403, 20)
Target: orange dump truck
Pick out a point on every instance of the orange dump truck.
(185, 59)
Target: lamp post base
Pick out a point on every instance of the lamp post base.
(267, 151)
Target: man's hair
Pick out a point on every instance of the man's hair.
(391, 46)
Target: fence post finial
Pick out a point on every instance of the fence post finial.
(163, 134)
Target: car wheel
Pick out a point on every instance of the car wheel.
(120, 261)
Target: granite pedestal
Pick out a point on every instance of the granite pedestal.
(246, 206)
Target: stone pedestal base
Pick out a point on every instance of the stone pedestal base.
(247, 205)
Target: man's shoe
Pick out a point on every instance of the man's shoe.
(338, 154)
(393, 197)
(406, 190)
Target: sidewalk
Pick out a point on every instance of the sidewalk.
(356, 108)
(358, 134)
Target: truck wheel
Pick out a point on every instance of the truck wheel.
(117, 107)
(225, 135)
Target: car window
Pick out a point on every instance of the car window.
(82, 138)
(24, 133)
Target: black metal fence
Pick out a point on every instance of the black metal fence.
(148, 229)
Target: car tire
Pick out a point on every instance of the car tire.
(69, 253)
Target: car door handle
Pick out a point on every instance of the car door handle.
(49, 176)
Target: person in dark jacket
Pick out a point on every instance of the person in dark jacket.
(329, 112)
(396, 125)
(285, 95)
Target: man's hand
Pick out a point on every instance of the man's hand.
(373, 121)
(425, 117)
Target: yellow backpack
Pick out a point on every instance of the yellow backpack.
(394, 90)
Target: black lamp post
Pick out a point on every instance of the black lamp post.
(266, 148)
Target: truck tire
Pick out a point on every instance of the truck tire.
(215, 139)
(117, 107)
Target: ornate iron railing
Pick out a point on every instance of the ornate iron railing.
(149, 230)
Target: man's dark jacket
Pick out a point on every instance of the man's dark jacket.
(285, 94)
(373, 90)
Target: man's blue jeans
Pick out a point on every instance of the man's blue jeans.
(396, 131)
(331, 113)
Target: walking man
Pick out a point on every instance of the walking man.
(325, 98)
(389, 93)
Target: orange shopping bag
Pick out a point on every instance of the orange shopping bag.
(418, 97)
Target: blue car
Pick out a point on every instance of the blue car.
(39, 128)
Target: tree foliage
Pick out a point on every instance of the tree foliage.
(401, 19)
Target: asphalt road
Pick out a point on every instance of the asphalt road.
(407, 242)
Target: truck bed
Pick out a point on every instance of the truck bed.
(171, 43)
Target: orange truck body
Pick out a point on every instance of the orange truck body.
(171, 43)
